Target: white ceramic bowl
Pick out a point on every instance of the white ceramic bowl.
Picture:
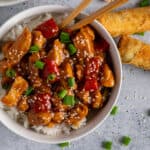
(10, 2)
(101, 115)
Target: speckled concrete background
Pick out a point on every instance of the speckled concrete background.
(133, 118)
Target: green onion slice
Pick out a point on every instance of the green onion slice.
(71, 81)
(72, 49)
(39, 64)
(69, 100)
(114, 110)
(62, 94)
(10, 73)
(126, 140)
(141, 33)
(34, 49)
(65, 144)
(51, 77)
(29, 91)
(65, 37)
(107, 145)
(144, 3)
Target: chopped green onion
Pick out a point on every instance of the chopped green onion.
(64, 37)
(141, 33)
(29, 91)
(34, 49)
(69, 100)
(71, 81)
(65, 144)
(107, 145)
(126, 140)
(114, 110)
(144, 3)
(51, 77)
(39, 64)
(72, 49)
(62, 93)
(6, 86)
(10, 73)
(77, 100)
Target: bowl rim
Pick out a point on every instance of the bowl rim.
(11, 2)
(21, 130)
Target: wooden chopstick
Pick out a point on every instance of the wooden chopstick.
(75, 12)
(97, 14)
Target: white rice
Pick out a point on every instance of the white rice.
(13, 112)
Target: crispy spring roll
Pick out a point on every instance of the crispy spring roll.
(128, 21)
(135, 52)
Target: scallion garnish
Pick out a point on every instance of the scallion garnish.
(29, 91)
(71, 81)
(39, 64)
(69, 100)
(72, 50)
(62, 94)
(107, 145)
(114, 110)
(64, 37)
(10, 73)
(140, 33)
(51, 77)
(126, 140)
(144, 3)
(34, 49)
(65, 144)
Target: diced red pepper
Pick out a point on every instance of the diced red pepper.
(41, 103)
(49, 28)
(50, 67)
(91, 85)
(101, 45)
(92, 67)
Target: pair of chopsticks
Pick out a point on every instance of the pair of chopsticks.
(87, 20)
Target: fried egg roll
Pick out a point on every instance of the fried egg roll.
(128, 21)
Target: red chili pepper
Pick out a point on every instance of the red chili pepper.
(92, 67)
(101, 45)
(41, 103)
(91, 85)
(49, 28)
(50, 67)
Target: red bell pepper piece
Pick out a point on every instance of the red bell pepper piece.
(40, 103)
(101, 45)
(91, 84)
(50, 67)
(49, 28)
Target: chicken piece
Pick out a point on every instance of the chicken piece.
(37, 119)
(23, 104)
(84, 42)
(6, 47)
(58, 117)
(34, 78)
(38, 39)
(19, 86)
(107, 79)
(77, 114)
(79, 71)
(67, 70)
(84, 96)
(97, 99)
(135, 52)
(17, 50)
(57, 53)
(127, 21)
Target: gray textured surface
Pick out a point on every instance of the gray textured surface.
(133, 118)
